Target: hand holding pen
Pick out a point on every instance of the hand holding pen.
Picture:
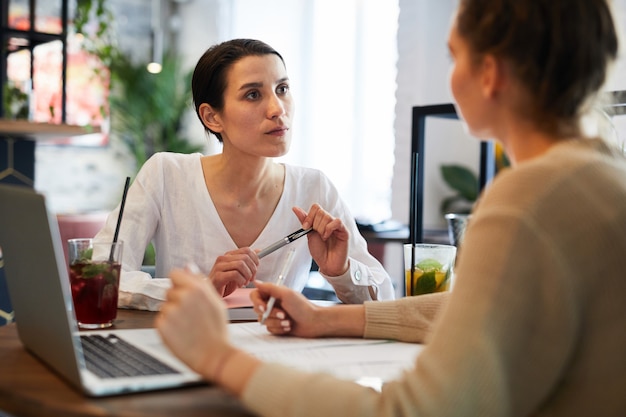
(237, 268)
(329, 245)
(279, 281)
(284, 241)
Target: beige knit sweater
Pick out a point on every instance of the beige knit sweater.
(535, 325)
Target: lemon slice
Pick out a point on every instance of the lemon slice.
(429, 265)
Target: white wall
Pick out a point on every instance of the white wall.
(423, 80)
(618, 79)
(202, 23)
(81, 179)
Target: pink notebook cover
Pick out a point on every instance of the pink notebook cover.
(240, 306)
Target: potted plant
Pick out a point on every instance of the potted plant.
(147, 109)
(465, 183)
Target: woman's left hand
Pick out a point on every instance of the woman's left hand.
(329, 246)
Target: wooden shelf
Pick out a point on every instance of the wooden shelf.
(23, 129)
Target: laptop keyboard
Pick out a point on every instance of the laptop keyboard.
(112, 357)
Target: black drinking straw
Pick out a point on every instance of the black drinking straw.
(119, 219)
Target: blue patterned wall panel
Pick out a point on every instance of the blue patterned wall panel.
(17, 161)
(6, 311)
(17, 166)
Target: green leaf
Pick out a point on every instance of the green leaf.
(94, 269)
(462, 180)
(426, 283)
(85, 256)
(147, 109)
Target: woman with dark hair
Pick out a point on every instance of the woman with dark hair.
(535, 322)
(218, 211)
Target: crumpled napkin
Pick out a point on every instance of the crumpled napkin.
(139, 291)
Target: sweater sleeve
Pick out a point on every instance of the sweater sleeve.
(409, 319)
(139, 222)
(277, 390)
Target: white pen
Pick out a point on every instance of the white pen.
(279, 281)
(284, 241)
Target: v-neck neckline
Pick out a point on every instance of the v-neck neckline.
(271, 224)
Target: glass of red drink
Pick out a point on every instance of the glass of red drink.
(94, 269)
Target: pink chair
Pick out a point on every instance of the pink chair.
(86, 225)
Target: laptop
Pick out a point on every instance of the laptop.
(38, 282)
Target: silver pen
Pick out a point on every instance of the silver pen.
(284, 241)
(279, 281)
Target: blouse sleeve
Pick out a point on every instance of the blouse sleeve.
(366, 279)
(140, 219)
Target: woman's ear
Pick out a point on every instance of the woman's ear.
(210, 118)
(493, 76)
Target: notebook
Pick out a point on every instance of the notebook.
(39, 290)
(239, 306)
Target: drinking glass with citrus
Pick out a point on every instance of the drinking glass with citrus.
(428, 268)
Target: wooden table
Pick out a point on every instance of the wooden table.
(29, 388)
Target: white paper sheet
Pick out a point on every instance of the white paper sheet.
(367, 361)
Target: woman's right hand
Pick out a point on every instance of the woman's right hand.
(329, 244)
(234, 269)
(292, 314)
(295, 315)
